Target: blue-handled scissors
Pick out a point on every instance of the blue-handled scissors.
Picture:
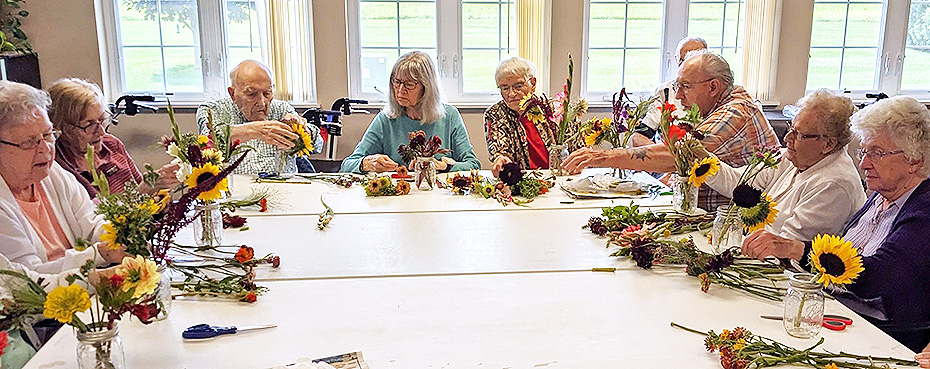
(205, 331)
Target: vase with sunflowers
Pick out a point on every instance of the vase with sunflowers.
(683, 142)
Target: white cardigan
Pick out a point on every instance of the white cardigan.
(74, 210)
(819, 200)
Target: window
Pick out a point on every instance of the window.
(181, 47)
(917, 49)
(845, 40)
(466, 56)
(719, 22)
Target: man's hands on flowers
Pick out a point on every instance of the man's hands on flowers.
(272, 132)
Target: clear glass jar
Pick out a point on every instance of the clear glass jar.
(100, 350)
(208, 225)
(728, 228)
(286, 165)
(163, 292)
(803, 306)
(424, 169)
(684, 195)
(557, 153)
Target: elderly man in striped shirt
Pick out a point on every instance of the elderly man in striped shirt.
(254, 117)
(735, 126)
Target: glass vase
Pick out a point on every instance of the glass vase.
(286, 165)
(727, 232)
(803, 306)
(208, 224)
(100, 350)
(163, 292)
(557, 154)
(684, 195)
(424, 173)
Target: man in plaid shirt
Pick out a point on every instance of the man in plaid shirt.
(254, 117)
(734, 124)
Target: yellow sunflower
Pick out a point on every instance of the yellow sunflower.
(836, 259)
(591, 138)
(703, 169)
(139, 273)
(163, 198)
(64, 301)
(760, 215)
(109, 236)
(304, 142)
(212, 155)
(200, 174)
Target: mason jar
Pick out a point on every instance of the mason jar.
(100, 350)
(728, 228)
(803, 306)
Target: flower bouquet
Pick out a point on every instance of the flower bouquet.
(749, 206)
(683, 142)
(419, 153)
(627, 122)
(618, 218)
(565, 117)
(383, 186)
(230, 275)
(513, 186)
(740, 349)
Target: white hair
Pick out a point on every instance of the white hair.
(234, 74)
(716, 67)
(418, 66)
(515, 67)
(832, 113)
(906, 121)
(19, 102)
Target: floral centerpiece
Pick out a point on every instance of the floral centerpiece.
(513, 187)
(419, 153)
(683, 142)
(753, 208)
(565, 117)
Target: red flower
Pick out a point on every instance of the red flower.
(275, 261)
(250, 297)
(116, 280)
(264, 205)
(145, 313)
(667, 107)
(233, 221)
(543, 190)
(676, 133)
(4, 341)
(234, 145)
(244, 254)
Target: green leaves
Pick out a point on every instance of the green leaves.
(99, 181)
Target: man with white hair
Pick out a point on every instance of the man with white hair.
(687, 47)
(734, 124)
(254, 118)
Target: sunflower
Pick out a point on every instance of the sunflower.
(403, 187)
(592, 137)
(373, 187)
(212, 155)
(139, 273)
(163, 198)
(760, 215)
(200, 174)
(746, 196)
(486, 190)
(703, 169)
(109, 237)
(836, 259)
(303, 143)
(63, 302)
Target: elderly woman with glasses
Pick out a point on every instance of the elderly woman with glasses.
(890, 230)
(415, 104)
(43, 209)
(816, 184)
(81, 113)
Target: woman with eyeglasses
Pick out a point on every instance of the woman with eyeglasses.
(81, 113)
(890, 230)
(414, 104)
(43, 209)
(816, 184)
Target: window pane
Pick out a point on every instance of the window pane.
(864, 24)
(378, 24)
(720, 23)
(478, 68)
(389, 29)
(829, 22)
(605, 28)
(623, 45)
(183, 70)
(642, 69)
(823, 70)
(734, 57)
(858, 69)
(917, 53)
(418, 25)
(138, 23)
(645, 21)
(844, 43)
(146, 69)
(178, 17)
(605, 71)
(489, 35)
(480, 25)
(242, 36)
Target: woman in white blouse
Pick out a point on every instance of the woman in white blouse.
(816, 184)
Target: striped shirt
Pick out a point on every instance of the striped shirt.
(874, 225)
(735, 128)
(264, 156)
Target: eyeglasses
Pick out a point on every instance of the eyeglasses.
(92, 125)
(31, 143)
(505, 89)
(688, 85)
(875, 154)
(795, 133)
(408, 85)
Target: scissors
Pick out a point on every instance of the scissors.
(830, 321)
(205, 331)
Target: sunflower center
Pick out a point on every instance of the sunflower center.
(702, 169)
(204, 176)
(832, 264)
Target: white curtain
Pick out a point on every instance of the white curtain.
(760, 47)
(533, 33)
(288, 31)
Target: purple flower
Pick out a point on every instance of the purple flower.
(745, 196)
(511, 174)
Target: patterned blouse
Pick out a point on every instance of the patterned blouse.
(506, 136)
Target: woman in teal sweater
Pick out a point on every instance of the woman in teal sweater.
(415, 105)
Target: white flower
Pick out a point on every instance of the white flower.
(173, 150)
(184, 170)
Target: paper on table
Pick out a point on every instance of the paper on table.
(603, 186)
(352, 360)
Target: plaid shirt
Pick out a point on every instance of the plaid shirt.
(506, 136)
(736, 127)
(263, 156)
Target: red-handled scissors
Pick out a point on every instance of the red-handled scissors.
(830, 321)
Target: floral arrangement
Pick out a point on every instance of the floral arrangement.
(513, 187)
(420, 147)
(383, 186)
(739, 349)
(757, 209)
(682, 140)
(627, 122)
(538, 109)
(231, 275)
(596, 130)
(618, 218)
(566, 113)
(644, 245)
(836, 261)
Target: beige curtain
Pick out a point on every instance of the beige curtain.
(760, 46)
(533, 33)
(287, 26)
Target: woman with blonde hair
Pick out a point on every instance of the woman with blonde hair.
(415, 104)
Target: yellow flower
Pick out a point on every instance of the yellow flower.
(200, 174)
(836, 259)
(831, 366)
(202, 140)
(761, 215)
(64, 301)
(109, 237)
(120, 219)
(703, 169)
(739, 344)
(163, 197)
(140, 273)
(305, 142)
(151, 206)
(212, 155)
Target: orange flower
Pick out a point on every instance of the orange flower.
(675, 132)
(250, 297)
(668, 107)
(244, 254)
(264, 205)
(402, 171)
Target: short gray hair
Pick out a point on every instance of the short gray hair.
(516, 67)
(234, 74)
(832, 112)
(906, 121)
(19, 102)
(681, 44)
(418, 66)
(716, 67)
(71, 97)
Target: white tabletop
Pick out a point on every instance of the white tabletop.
(547, 320)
